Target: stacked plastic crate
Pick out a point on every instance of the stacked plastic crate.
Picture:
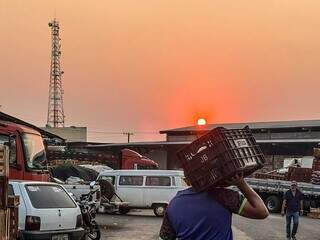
(218, 155)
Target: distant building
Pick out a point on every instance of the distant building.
(70, 134)
(278, 140)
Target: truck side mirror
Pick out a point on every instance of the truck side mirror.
(92, 184)
(13, 152)
(18, 167)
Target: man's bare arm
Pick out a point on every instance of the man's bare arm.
(254, 206)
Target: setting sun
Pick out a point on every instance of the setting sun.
(202, 121)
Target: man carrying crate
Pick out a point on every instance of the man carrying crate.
(207, 215)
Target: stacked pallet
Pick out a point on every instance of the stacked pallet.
(299, 174)
(315, 177)
(316, 164)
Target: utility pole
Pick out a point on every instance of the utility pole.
(55, 117)
(128, 134)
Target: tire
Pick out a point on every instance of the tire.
(95, 234)
(273, 204)
(159, 209)
(124, 210)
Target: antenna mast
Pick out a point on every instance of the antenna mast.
(55, 116)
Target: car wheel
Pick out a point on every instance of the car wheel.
(273, 204)
(159, 209)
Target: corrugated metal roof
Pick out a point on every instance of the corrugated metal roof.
(252, 125)
(188, 142)
(137, 144)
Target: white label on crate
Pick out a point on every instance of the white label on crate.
(199, 150)
(241, 143)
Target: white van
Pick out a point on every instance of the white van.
(145, 188)
(46, 211)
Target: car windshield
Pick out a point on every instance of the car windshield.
(49, 196)
(34, 151)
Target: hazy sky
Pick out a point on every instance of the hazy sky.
(149, 65)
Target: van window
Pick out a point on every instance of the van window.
(157, 181)
(49, 196)
(131, 180)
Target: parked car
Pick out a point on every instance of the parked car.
(145, 188)
(46, 211)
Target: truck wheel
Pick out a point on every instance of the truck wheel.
(159, 209)
(273, 204)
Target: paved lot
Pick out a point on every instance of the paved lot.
(143, 225)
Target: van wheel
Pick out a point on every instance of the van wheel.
(124, 210)
(159, 209)
(273, 204)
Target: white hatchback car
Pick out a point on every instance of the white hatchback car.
(46, 211)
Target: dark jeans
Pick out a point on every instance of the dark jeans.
(295, 217)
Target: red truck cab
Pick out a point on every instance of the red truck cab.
(27, 153)
(133, 160)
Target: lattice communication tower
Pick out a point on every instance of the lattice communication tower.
(56, 115)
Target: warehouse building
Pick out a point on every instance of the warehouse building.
(278, 140)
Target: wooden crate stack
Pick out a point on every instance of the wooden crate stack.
(299, 174)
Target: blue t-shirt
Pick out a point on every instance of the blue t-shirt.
(202, 216)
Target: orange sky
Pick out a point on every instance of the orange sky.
(149, 65)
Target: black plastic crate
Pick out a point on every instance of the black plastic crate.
(218, 155)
